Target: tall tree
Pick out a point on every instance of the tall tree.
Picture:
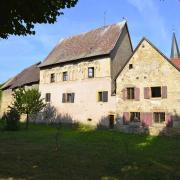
(27, 102)
(19, 16)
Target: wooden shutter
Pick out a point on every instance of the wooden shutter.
(48, 97)
(137, 94)
(105, 96)
(164, 91)
(64, 97)
(72, 97)
(126, 117)
(149, 119)
(146, 118)
(146, 93)
(169, 121)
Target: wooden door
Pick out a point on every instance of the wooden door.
(111, 121)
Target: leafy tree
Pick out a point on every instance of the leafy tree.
(19, 16)
(27, 102)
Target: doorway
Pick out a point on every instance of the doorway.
(111, 121)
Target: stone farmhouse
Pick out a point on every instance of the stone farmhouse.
(28, 78)
(78, 76)
(148, 89)
(97, 78)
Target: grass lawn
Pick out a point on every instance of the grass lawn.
(86, 153)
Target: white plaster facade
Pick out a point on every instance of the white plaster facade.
(86, 105)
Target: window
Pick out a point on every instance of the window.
(103, 96)
(130, 66)
(68, 97)
(90, 72)
(52, 78)
(135, 116)
(65, 76)
(48, 97)
(155, 92)
(159, 117)
(130, 93)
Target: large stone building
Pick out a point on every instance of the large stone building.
(78, 76)
(28, 78)
(148, 88)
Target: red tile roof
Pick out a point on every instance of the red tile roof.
(96, 42)
(176, 62)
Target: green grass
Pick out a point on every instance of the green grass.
(87, 153)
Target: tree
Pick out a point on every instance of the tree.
(19, 16)
(27, 102)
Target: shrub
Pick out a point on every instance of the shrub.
(11, 119)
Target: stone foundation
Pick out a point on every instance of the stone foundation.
(154, 130)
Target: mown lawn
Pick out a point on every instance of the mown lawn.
(87, 153)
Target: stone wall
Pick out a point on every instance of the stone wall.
(6, 101)
(150, 69)
(120, 55)
(7, 98)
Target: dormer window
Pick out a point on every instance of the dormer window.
(65, 76)
(90, 72)
(52, 79)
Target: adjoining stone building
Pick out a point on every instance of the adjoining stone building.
(78, 76)
(28, 78)
(148, 89)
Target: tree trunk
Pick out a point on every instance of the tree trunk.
(27, 121)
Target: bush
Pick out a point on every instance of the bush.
(11, 119)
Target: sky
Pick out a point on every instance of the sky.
(153, 19)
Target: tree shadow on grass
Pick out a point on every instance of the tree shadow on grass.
(87, 153)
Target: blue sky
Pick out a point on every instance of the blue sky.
(153, 19)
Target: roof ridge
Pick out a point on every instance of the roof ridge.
(19, 77)
(94, 29)
(96, 42)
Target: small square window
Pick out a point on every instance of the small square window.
(130, 66)
(155, 92)
(103, 96)
(65, 76)
(130, 93)
(48, 97)
(159, 117)
(52, 78)
(68, 97)
(90, 72)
